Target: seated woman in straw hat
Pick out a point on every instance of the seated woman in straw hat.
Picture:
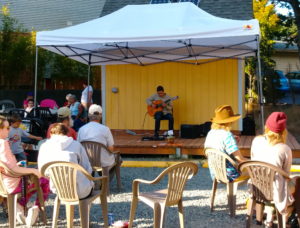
(220, 138)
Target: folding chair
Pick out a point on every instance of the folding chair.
(217, 163)
(12, 198)
(94, 150)
(6, 105)
(67, 192)
(262, 176)
(177, 176)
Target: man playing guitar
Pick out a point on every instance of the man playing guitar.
(161, 103)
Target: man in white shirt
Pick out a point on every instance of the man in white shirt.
(96, 132)
(86, 95)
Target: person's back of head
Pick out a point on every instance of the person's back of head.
(73, 97)
(275, 129)
(95, 113)
(63, 115)
(14, 118)
(62, 119)
(59, 129)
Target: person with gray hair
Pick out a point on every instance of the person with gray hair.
(77, 112)
(96, 132)
(66, 103)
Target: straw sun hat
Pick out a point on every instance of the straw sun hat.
(224, 114)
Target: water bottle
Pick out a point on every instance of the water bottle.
(110, 219)
(23, 163)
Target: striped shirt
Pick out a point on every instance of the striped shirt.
(223, 141)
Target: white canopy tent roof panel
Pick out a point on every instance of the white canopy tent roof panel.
(143, 34)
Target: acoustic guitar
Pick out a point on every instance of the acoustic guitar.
(158, 105)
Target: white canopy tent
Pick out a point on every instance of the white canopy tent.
(150, 34)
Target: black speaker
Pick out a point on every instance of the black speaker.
(190, 131)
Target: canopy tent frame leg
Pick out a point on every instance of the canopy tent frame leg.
(103, 93)
(35, 76)
(88, 84)
(260, 87)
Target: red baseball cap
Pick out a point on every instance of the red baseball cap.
(276, 122)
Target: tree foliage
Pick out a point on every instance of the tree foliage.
(16, 50)
(295, 6)
(269, 26)
(288, 30)
(17, 62)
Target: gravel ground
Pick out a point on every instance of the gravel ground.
(195, 201)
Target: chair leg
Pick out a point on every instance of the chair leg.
(103, 201)
(250, 208)
(159, 214)
(231, 191)
(55, 212)
(118, 176)
(181, 215)
(84, 209)
(213, 194)
(134, 204)
(42, 204)
(105, 172)
(259, 212)
(11, 205)
(70, 215)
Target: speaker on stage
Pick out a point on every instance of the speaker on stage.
(191, 131)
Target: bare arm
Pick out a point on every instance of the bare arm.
(35, 137)
(111, 148)
(90, 97)
(239, 157)
(26, 171)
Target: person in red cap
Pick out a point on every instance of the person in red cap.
(271, 148)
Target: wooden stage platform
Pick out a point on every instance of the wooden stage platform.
(133, 144)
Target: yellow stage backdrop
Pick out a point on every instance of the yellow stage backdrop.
(201, 88)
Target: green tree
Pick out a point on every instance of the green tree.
(16, 50)
(268, 20)
(64, 67)
(288, 29)
(295, 6)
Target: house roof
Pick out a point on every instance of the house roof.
(54, 14)
(232, 9)
(280, 46)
